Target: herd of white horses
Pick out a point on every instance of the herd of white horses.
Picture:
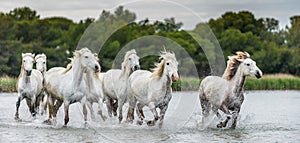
(82, 81)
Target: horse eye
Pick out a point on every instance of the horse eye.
(248, 64)
(24, 61)
(86, 57)
(168, 64)
(129, 59)
(44, 62)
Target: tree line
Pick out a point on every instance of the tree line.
(22, 30)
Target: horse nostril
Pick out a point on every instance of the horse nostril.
(28, 72)
(96, 67)
(257, 74)
(136, 67)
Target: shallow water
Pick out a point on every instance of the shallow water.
(266, 116)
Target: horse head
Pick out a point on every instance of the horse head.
(249, 68)
(41, 62)
(27, 62)
(131, 60)
(170, 65)
(88, 60)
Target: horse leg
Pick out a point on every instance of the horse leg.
(49, 103)
(100, 105)
(215, 110)
(66, 107)
(109, 103)
(226, 111)
(90, 106)
(114, 106)
(156, 117)
(84, 111)
(17, 107)
(130, 113)
(42, 103)
(33, 106)
(55, 109)
(30, 106)
(206, 107)
(140, 113)
(163, 110)
(120, 105)
(234, 117)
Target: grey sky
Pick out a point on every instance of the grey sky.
(184, 11)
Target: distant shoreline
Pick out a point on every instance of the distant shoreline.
(268, 82)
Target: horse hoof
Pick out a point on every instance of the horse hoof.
(129, 121)
(47, 122)
(219, 125)
(139, 122)
(150, 123)
(18, 119)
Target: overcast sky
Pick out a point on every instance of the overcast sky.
(190, 12)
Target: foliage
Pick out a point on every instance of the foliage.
(22, 30)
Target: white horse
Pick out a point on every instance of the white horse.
(68, 86)
(153, 89)
(226, 94)
(29, 84)
(94, 81)
(41, 65)
(115, 81)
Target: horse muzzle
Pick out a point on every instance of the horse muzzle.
(175, 77)
(97, 68)
(136, 67)
(28, 72)
(258, 74)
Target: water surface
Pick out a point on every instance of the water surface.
(266, 116)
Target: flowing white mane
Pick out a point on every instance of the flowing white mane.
(125, 61)
(233, 63)
(159, 67)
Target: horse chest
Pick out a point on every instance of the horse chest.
(234, 101)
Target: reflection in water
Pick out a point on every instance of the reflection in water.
(266, 116)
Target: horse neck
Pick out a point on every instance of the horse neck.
(25, 79)
(45, 70)
(77, 71)
(90, 80)
(126, 72)
(238, 81)
(166, 79)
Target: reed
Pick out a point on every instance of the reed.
(268, 82)
(8, 84)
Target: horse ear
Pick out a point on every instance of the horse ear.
(33, 55)
(160, 59)
(247, 54)
(77, 53)
(23, 54)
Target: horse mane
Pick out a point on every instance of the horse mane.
(233, 63)
(76, 54)
(124, 63)
(158, 71)
(69, 66)
(40, 56)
